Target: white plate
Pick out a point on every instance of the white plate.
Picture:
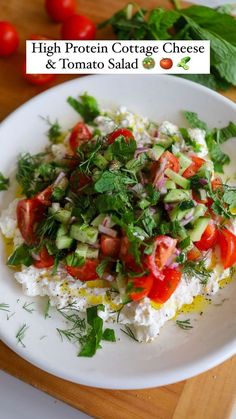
(176, 354)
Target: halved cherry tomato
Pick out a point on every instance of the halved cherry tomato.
(196, 164)
(164, 286)
(59, 10)
(216, 183)
(45, 260)
(124, 132)
(78, 27)
(138, 288)
(194, 254)
(208, 239)
(29, 213)
(126, 256)
(110, 246)
(79, 180)
(172, 161)
(80, 134)
(164, 247)
(44, 197)
(87, 272)
(227, 243)
(37, 79)
(9, 39)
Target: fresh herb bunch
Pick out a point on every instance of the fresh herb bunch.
(192, 23)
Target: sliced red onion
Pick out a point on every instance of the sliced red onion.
(143, 180)
(140, 150)
(108, 277)
(185, 221)
(176, 251)
(69, 199)
(95, 245)
(106, 230)
(59, 178)
(138, 188)
(169, 207)
(203, 181)
(174, 265)
(35, 256)
(107, 222)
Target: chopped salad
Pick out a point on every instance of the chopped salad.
(124, 214)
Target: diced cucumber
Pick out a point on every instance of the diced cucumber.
(98, 220)
(199, 211)
(54, 208)
(198, 228)
(170, 184)
(203, 194)
(82, 249)
(92, 253)
(178, 179)
(96, 175)
(108, 154)
(184, 161)
(164, 142)
(84, 233)
(63, 216)
(177, 195)
(177, 214)
(144, 203)
(62, 231)
(63, 183)
(64, 242)
(100, 161)
(155, 152)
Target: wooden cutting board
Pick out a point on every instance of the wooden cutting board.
(210, 395)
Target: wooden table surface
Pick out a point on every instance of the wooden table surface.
(210, 395)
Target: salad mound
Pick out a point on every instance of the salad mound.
(124, 213)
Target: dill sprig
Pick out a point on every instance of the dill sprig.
(192, 268)
(10, 315)
(48, 227)
(28, 307)
(4, 307)
(129, 332)
(21, 334)
(76, 333)
(184, 324)
(47, 308)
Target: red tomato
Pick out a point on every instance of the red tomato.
(208, 239)
(193, 254)
(45, 260)
(80, 134)
(196, 164)
(78, 27)
(87, 272)
(171, 161)
(9, 39)
(216, 183)
(59, 10)
(126, 133)
(126, 257)
(139, 288)
(29, 213)
(163, 288)
(227, 243)
(110, 246)
(45, 196)
(164, 247)
(166, 63)
(37, 79)
(78, 181)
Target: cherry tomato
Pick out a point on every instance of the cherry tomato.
(208, 239)
(78, 181)
(227, 243)
(110, 246)
(138, 288)
(172, 161)
(164, 247)
(163, 288)
(196, 164)
(37, 79)
(59, 10)
(166, 63)
(44, 197)
(126, 256)
(87, 272)
(9, 39)
(78, 27)
(126, 133)
(45, 260)
(79, 135)
(29, 213)
(194, 254)
(216, 183)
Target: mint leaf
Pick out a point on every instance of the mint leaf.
(218, 157)
(87, 107)
(159, 21)
(194, 121)
(112, 181)
(229, 198)
(109, 335)
(75, 260)
(123, 150)
(4, 182)
(224, 134)
(21, 255)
